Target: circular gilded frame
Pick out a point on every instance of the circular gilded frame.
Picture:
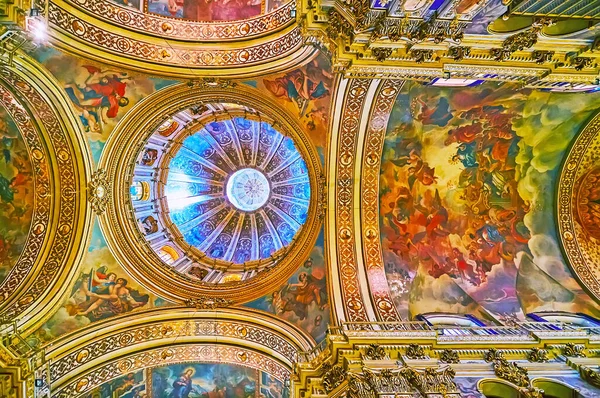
(118, 223)
(580, 249)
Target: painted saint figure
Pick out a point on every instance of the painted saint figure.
(183, 386)
(100, 97)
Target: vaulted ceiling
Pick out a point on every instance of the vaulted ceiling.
(199, 189)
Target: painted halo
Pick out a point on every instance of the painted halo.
(218, 199)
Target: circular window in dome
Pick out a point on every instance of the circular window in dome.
(237, 190)
(248, 189)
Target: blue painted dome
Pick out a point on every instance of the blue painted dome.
(238, 190)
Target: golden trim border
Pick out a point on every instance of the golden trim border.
(369, 187)
(69, 163)
(79, 353)
(584, 269)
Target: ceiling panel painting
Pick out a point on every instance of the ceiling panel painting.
(102, 290)
(466, 199)
(304, 299)
(192, 380)
(100, 94)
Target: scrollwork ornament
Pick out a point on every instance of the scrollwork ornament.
(531, 392)
(420, 56)
(415, 351)
(590, 375)
(99, 189)
(493, 355)
(338, 25)
(458, 53)
(449, 356)
(512, 372)
(537, 355)
(207, 303)
(574, 350)
(212, 82)
(375, 352)
(542, 57)
(333, 376)
(580, 63)
(521, 41)
(381, 53)
(322, 202)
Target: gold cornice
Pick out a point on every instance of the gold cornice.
(122, 234)
(179, 29)
(361, 47)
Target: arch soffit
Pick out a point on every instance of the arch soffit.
(121, 344)
(114, 42)
(579, 234)
(62, 217)
(118, 160)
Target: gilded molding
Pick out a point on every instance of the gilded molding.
(371, 165)
(165, 53)
(109, 341)
(216, 353)
(56, 245)
(355, 98)
(99, 191)
(107, 41)
(576, 238)
(182, 29)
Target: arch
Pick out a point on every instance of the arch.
(164, 336)
(497, 388)
(105, 32)
(62, 216)
(119, 160)
(555, 388)
(577, 174)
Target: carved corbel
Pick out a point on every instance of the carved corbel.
(381, 53)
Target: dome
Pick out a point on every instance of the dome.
(221, 193)
(237, 190)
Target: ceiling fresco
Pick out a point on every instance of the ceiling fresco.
(220, 10)
(305, 92)
(102, 291)
(466, 204)
(16, 193)
(274, 198)
(100, 94)
(193, 379)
